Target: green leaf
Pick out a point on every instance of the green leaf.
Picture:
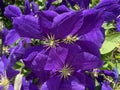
(94, 2)
(111, 41)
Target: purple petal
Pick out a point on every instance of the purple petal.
(71, 84)
(35, 59)
(11, 37)
(57, 59)
(116, 78)
(90, 82)
(80, 58)
(12, 11)
(27, 7)
(45, 20)
(51, 84)
(91, 15)
(85, 61)
(90, 47)
(3, 34)
(96, 36)
(30, 54)
(106, 86)
(27, 26)
(39, 61)
(5, 61)
(62, 9)
(1, 66)
(30, 50)
(28, 60)
(33, 87)
(25, 84)
(109, 73)
(118, 24)
(11, 72)
(67, 23)
(18, 50)
(35, 7)
(28, 85)
(56, 84)
(111, 8)
(11, 87)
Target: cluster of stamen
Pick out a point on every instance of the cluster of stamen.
(50, 41)
(4, 82)
(66, 71)
(70, 39)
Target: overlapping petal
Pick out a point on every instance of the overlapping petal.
(46, 20)
(91, 15)
(27, 26)
(67, 22)
(111, 8)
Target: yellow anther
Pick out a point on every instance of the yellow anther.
(70, 39)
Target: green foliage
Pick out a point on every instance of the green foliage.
(94, 2)
(19, 65)
(111, 41)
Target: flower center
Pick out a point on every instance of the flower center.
(50, 41)
(66, 71)
(3, 81)
(70, 39)
(5, 49)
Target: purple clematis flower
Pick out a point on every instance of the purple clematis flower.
(66, 65)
